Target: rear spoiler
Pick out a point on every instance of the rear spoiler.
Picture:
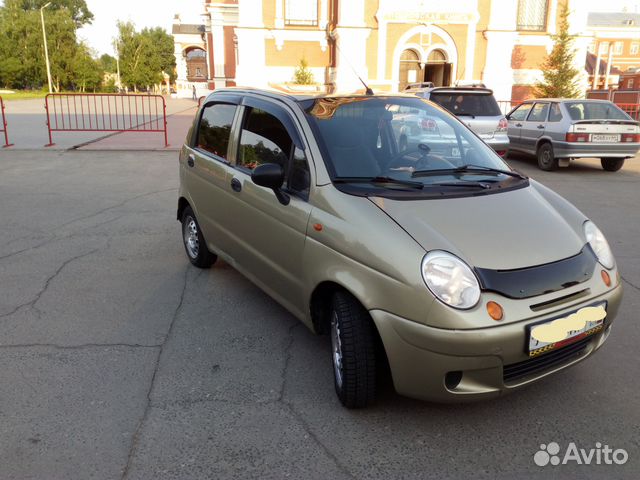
(603, 121)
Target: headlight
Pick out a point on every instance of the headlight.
(450, 279)
(598, 244)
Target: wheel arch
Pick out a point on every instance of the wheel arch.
(183, 203)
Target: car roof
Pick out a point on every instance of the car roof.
(300, 97)
(562, 100)
(468, 89)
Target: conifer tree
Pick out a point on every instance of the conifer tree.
(559, 74)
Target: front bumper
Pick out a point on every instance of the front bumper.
(461, 365)
(595, 150)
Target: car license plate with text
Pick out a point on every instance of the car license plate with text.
(557, 333)
(605, 138)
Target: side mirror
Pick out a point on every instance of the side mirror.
(271, 175)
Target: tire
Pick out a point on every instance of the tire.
(194, 244)
(612, 164)
(546, 160)
(352, 352)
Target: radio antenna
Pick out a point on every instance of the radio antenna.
(367, 90)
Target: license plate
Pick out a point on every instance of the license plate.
(557, 333)
(605, 138)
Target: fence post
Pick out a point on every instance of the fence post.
(4, 126)
(164, 114)
(46, 107)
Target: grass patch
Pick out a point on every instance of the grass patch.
(21, 94)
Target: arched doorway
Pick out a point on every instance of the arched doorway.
(411, 70)
(196, 59)
(438, 68)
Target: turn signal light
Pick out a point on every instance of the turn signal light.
(495, 310)
(605, 278)
(577, 137)
(502, 125)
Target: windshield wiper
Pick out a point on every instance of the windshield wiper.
(464, 114)
(460, 184)
(380, 179)
(469, 168)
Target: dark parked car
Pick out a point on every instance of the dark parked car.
(557, 131)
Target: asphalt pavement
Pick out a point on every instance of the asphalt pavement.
(120, 360)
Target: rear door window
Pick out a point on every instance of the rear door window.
(214, 129)
(464, 103)
(555, 115)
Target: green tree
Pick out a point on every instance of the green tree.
(77, 8)
(302, 75)
(144, 55)
(560, 77)
(88, 74)
(107, 63)
(22, 62)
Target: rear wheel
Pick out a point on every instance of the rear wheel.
(546, 160)
(612, 164)
(194, 244)
(353, 351)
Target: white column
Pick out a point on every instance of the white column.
(251, 69)
(382, 50)
(596, 70)
(280, 13)
(353, 45)
(470, 51)
(498, 74)
(324, 6)
(609, 60)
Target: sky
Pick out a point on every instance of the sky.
(143, 13)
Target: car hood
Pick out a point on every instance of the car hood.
(502, 231)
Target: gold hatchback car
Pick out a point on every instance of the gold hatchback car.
(466, 278)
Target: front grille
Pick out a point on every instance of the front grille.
(545, 361)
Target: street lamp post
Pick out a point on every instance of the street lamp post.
(46, 50)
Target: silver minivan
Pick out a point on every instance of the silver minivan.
(477, 108)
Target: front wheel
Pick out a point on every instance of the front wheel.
(194, 244)
(353, 352)
(546, 159)
(612, 164)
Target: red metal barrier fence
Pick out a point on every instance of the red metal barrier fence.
(3, 125)
(105, 112)
(632, 109)
(506, 105)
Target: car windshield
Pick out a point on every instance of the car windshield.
(402, 144)
(586, 110)
(467, 103)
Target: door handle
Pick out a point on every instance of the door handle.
(540, 127)
(236, 186)
(518, 124)
(191, 160)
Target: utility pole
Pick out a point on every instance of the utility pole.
(46, 50)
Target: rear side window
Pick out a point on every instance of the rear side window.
(475, 104)
(586, 110)
(555, 115)
(215, 128)
(520, 113)
(539, 112)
